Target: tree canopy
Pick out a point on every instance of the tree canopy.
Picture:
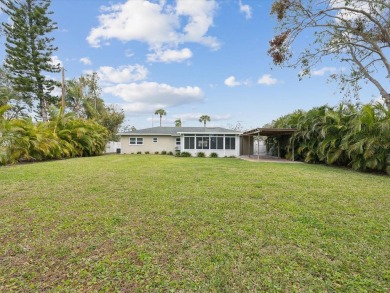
(29, 51)
(160, 112)
(357, 33)
(204, 119)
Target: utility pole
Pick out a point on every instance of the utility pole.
(63, 90)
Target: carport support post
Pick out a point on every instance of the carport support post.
(249, 146)
(258, 146)
(278, 146)
(293, 151)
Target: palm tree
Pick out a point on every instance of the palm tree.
(178, 122)
(160, 112)
(204, 119)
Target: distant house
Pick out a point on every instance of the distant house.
(224, 142)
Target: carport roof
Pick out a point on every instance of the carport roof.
(270, 131)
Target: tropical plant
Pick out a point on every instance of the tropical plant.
(346, 135)
(204, 119)
(178, 122)
(160, 112)
(83, 98)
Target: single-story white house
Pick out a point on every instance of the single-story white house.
(224, 142)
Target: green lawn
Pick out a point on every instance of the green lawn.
(158, 223)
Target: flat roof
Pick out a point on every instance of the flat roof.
(270, 131)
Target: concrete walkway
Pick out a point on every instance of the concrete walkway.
(269, 159)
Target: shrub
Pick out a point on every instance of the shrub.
(200, 155)
(170, 154)
(177, 154)
(232, 157)
(147, 153)
(156, 153)
(164, 152)
(213, 155)
(185, 154)
(138, 153)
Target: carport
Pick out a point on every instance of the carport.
(248, 138)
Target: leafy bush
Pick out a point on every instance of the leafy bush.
(185, 154)
(200, 155)
(170, 154)
(344, 135)
(177, 154)
(164, 152)
(213, 155)
(147, 153)
(63, 137)
(139, 153)
(156, 153)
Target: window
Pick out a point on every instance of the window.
(178, 141)
(230, 143)
(136, 140)
(155, 139)
(216, 143)
(189, 143)
(202, 142)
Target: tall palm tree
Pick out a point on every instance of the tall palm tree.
(204, 119)
(178, 122)
(160, 112)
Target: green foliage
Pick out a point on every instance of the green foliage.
(170, 153)
(147, 153)
(160, 112)
(214, 155)
(185, 154)
(164, 152)
(200, 155)
(83, 98)
(23, 140)
(156, 153)
(139, 153)
(29, 50)
(346, 135)
(204, 119)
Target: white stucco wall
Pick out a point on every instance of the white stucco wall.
(164, 143)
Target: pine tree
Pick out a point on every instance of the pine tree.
(29, 51)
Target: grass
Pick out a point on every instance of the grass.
(157, 223)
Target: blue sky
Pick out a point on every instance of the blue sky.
(190, 57)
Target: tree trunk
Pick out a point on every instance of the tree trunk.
(386, 99)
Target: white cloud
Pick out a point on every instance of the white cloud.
(157, 24)
(322, 71)
(267, 79)
(231, 81)
(122, 74)
(146, 96)
(246, 9)
(347, 14)
(55, 60)
(86, 61)
(170, 55)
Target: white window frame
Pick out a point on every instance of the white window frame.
(155, 139)
(178, 141)
(137, 141)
